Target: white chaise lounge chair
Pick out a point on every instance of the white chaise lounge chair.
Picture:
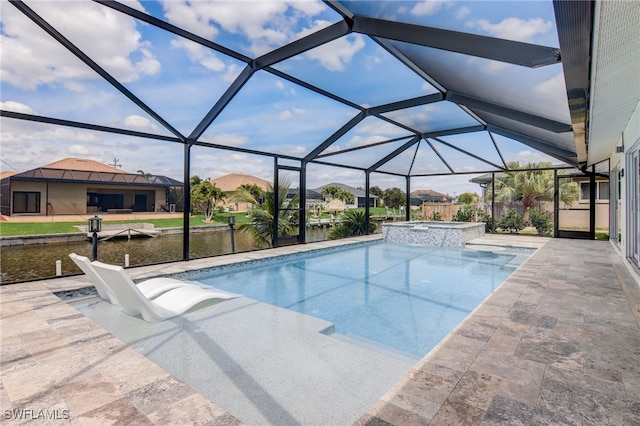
(150, 288)
(169, 304)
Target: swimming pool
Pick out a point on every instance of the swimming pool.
(405, 298)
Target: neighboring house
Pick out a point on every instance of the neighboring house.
(359, 195)
(232, 181)
(81, 186)
(570, 217)
(314, 198)
(429, 196)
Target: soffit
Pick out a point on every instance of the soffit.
(615, 77)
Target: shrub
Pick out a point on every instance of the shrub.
(436, 216)
(352, 224)
(466, 213)
(489, 222)
(541, 221)
(512, 221)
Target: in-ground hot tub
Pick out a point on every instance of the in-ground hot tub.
(431, 233)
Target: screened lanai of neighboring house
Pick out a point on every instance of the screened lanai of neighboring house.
(376, 91)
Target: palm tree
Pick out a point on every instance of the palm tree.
(353, 223)
(531, 186)
(249, 193)
(261, 228)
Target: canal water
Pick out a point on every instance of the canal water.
(30, 262)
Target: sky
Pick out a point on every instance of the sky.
(181, 80)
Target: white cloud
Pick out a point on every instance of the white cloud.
(335, 55)
(316, 26)
(137, 122)
(416, 117)
(149, 65)
(233, 70)
(17, 107)
(266, 24)
(228, 139)
(380, 128)
(200, 54)
(79, 151)
(426, 87)
(359, 140)
(213, 164)
(26, 145)
(514, 28)
(554, 93)
(285, 115)
(30, 58)
(462, 13)
(551, 87)
(288, 114)
(430, 7)
(193, 17)
(529, 156)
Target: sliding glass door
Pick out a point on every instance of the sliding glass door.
(633, 203)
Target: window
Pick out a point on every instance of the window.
(602, 191)
(26, 202)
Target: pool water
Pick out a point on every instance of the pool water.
(402, 297)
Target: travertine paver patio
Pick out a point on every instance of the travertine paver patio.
(557, 343)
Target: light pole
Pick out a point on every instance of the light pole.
(95, 225)
(232, 222)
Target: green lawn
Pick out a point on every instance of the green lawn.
(8, 229)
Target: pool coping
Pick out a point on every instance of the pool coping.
(487, 370)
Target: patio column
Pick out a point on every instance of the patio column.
(493, 201)
(592, 203)
(302, 215)
(276, 208)
(407, 213)
(367, 184)
(187, 201)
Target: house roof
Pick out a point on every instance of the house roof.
(6, 174)
(429, 195)
(82, 164)
(312, 194)
(430, 192)
(355, 191)
(232, 181)
(90, 172)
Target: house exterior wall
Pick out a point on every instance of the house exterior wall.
(629, 139)
(58, 198)
(570, 219)
(64, 198)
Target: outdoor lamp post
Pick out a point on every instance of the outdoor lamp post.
(95, 225)
(232, 222)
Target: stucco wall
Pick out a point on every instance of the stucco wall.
(630, 136)
(66, 198)
(570, 219)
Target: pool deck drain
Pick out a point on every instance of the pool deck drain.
(557, 343)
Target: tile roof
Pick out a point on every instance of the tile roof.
(232, 181)
(421, 192)
(82, 164)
